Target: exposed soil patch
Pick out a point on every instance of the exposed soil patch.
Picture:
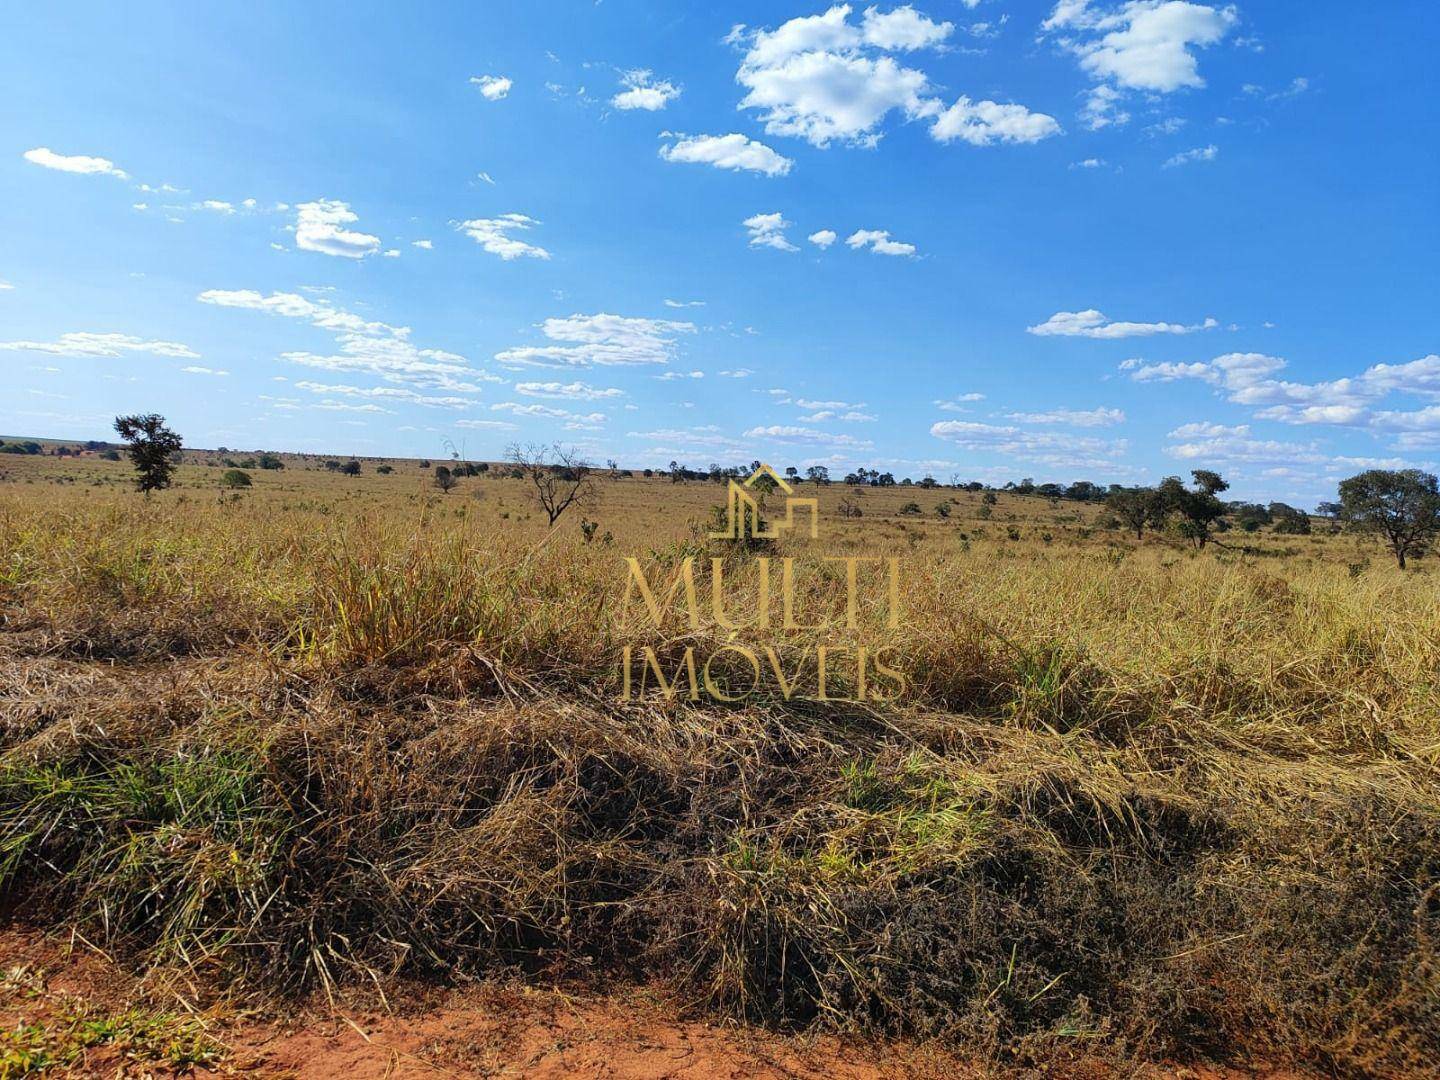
(486, 1030)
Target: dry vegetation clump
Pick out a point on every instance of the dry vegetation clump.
(1137, 802)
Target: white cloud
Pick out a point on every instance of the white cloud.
(388, 393)
(878, 241)
(76, 163)
(1099, 417)
(5, 286)
(492, 87)
(574, 391)
(958, 402)
(824, 79)
(1088, 163)
(671, 376)
(782, 433)
(1093, 324)
(1251, 379)
(493, 234)
(601, 339)
(981, 123)
(424, 245)
(903, 28)
(371, 347)
(320, 226)
(487, 425)
(1187, 157)
(817, 78)
(1045, 447)
(84, 343)
(684, 303)
(732, 151)
(548, 412)
(643, 91)
(1141, 45)
(768, 230)
(195, 369)
(737, 373)
(822, 239)
(1219, 445)
(217, 206)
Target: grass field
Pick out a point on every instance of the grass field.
(1137, 802)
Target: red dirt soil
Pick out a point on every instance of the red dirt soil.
(492, 1031)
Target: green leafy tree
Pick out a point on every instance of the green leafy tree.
(1401, 506)
(152, 448)
(235, 478)
(1136, 507)
(1198, 507)
(444, 479)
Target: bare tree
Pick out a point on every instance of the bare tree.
(561, 477)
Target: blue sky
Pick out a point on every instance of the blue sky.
(1097, 240)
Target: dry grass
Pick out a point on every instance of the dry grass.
(1137, 801)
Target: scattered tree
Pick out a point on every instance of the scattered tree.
(235, 478)
(1401, 506)
(1136, 507)
(351, 468)
(817, 475)
(444, 479)
(562, 479)
(1198, 507)
(152, 448)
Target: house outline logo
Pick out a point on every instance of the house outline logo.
(742, 508)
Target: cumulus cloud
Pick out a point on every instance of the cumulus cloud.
(878, 241)
(1093, 324)
(1252, 379)
(644, 91)
(574, 391)
(387, 393)
(367, 346)
(87, 344)
(320, 226)
(733, 151)
(1219, 444)
(548, 412)
(768, 230)
(1100, 417)
(822, 239)
(981, 123)
(782, 433)
(602, 340)
(492, 87)
(958, 403)
(1188, 157)
(74, 163)
(1148, 46)
(495, 236)
(824, 78)
(1043, 447)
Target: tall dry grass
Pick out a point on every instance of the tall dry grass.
(1137, 801)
